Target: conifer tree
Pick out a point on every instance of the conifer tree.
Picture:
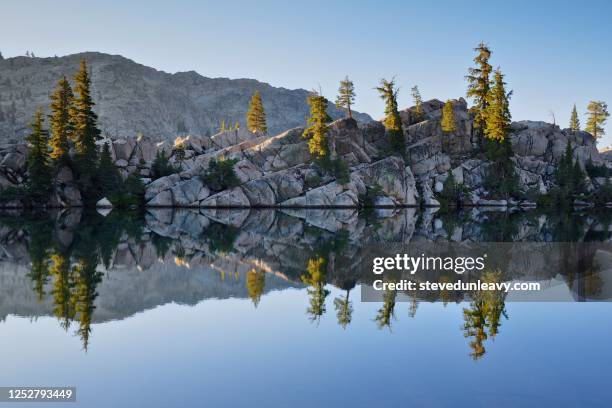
(497, 114)
(61, 121)
(109, 179)
(597, 116)
(256, 116)
(85, 134)
(318, 127)
(448, 118)
(346, 96)
(86, 131)
(39, 181)
(478, 87)
(393, 123)
(418, 102)
(574, 121)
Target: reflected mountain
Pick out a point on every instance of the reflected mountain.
(86, 268)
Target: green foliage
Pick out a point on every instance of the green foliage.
(452, 194)
(448, 118)
(161, 167)
(313, 181)
(38, 186)
(220, 237)
(109, 179)
(479, 85)
(497, 113)
(418, 103)
(574, 121)
(316, 132)
(570, 181)
(346, 96)
(256, 115)
(62, 126)
(85, 134)
(597, 116)
(501, 178)
(368, 200)
(603, 196)
(597, 170)
(131, 192)
(337, 168)
(220, 174)
(393, 123)
(569, 175)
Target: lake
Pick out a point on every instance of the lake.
(263, 308)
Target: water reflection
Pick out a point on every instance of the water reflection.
(87, 268)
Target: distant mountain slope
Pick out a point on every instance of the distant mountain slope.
(133, 98)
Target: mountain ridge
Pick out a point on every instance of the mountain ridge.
(134, 98)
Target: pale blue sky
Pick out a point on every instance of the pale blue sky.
(554, 53)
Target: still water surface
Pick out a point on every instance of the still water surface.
(263, 309)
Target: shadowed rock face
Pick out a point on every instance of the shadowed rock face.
(132, 98)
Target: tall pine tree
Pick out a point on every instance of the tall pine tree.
(448, 118)
(497, 113)
(316, 132)
(109, 179)
(393, 123)
(256, 116)
(60, 119)
(346, 96)
(478, 87)
(418, 103)
(85, 134)
(597, 116)
(39, 179)
(574, 121)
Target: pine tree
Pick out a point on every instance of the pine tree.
(448, 118)
(478, 87)
(598, 115)
(109, 179)
(85, 134)
(574, 121)
(256, 116)
(86, 131)
(318, 127)
(39, 181)
(418, 103)
(61, 121)
(393, 123)
(497, 113)
(346, 96)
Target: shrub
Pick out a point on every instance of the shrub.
(337, 168)
(452, 193)
(161, 167)
(597, 170)
(367, 200)
(220, 174)
(131, 192)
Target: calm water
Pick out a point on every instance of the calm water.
(262, 308)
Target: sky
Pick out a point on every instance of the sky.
(554, 53)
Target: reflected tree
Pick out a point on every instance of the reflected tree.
(387, 312)
(256, 282)
(315, 278)
(344, 309)
(63, 287)
(483, 318)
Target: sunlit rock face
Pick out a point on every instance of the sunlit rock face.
(132, 98)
